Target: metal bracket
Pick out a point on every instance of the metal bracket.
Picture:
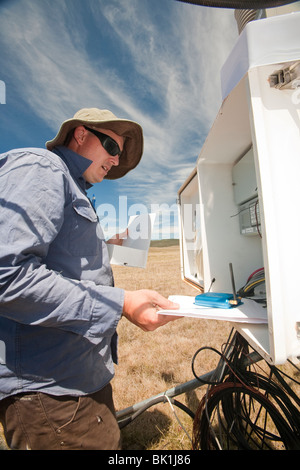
(286, 78)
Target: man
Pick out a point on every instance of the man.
(59, 309)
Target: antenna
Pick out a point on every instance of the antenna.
(235, 301)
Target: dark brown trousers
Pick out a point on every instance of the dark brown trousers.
(43, 422)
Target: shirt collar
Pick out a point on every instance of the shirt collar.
(76, 164)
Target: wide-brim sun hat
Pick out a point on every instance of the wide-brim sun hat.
(105, 119)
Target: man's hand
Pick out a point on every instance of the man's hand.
(141, 307)
(118, 238)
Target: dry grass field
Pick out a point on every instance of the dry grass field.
(152, 363)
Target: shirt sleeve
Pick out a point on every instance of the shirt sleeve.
(32, 211)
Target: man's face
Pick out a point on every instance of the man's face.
(90, 147)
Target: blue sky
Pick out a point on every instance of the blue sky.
(156, 62)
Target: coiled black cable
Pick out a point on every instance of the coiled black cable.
(245, 409)
(233, 402)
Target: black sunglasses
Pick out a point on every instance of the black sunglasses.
(109, 144)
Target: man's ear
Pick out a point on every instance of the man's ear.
(80, 134)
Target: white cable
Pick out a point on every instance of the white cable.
(180, 424)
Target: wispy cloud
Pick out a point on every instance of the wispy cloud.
(154, 61)
(178, 59)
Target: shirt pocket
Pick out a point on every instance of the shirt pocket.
(85, 236)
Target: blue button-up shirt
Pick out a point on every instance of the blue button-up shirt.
(58, 307)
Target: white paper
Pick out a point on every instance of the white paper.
(134, 250)
(139, 231)
(248, 312)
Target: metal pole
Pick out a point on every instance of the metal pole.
(178, 390)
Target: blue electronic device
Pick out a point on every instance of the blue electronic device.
(214, 299)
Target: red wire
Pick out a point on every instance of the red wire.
(251, 275)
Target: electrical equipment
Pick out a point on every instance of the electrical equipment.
(245, 185)
(249, 217)
(245, 194)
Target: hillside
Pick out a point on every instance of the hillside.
(164, 243)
